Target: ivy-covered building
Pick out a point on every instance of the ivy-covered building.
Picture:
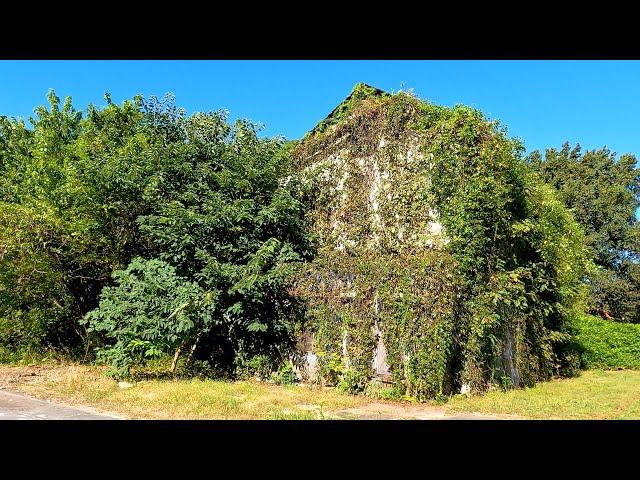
(424, 275)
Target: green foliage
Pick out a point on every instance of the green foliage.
(353, 381)
(49, 257)
(150, 312)
(81, 198)
(603, 193)
(520, 253)
(369, 270)
(285, 375)
(259, 366)
(359, 92)
(232, 223)
(384, 391)
(70, 191)
(484, 300)
(149, 234)
(606, 344)
(418, 310)
(616, 292)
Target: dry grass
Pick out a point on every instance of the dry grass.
(177, 399)
(593, 395)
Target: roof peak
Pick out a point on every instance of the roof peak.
(365, 89)
(359, 92)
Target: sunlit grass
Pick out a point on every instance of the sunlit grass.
(189, 399)
(595, 394)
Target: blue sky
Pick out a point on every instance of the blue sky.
(544, 103)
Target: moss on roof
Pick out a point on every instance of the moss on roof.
(359, 92)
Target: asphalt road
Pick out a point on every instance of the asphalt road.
(16, 406)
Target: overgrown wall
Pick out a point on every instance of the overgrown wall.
(443, 304)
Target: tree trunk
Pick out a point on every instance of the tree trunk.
(193, 349)
(174, 365)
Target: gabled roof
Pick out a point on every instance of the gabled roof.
(359, 92)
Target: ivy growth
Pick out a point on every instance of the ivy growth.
(431, 227)
(359, 92)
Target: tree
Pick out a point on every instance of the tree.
(604, 194)
(220, 207)
(71, 189)
(83, 196)
(44, 248)
(149, 313)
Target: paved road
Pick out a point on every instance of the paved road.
(16, 406)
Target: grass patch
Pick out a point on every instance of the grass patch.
(31, 356)
(608, 344)
(183, 399)
(595, 394)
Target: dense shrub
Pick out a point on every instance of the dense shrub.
(82, 197)
(225, 214)
(607, 344)
(150, 312)
(71, 189)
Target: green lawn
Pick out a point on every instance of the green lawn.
(595, 394)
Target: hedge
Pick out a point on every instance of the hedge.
(608, 345)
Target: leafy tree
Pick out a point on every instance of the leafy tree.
(232, 221)
(71, 189)
(603, 193)
(219, 207)
(150, 312)
(44, 248)
(81, 197)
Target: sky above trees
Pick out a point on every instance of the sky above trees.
(593, 103)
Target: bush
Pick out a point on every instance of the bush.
(258, 366)
(606, 344)
(285, 375)
(59, 236)
(353, 382)
(150, 313)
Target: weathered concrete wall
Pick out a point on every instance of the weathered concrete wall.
(382, 185)
(371, 182)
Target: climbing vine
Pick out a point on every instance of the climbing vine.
(433, 232)
(507, 234)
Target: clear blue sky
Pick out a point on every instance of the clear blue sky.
(595, 103)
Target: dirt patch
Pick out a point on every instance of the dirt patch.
(403, 411)
(13, 377)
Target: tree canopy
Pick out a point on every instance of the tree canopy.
(203, 209)
(603, 193)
